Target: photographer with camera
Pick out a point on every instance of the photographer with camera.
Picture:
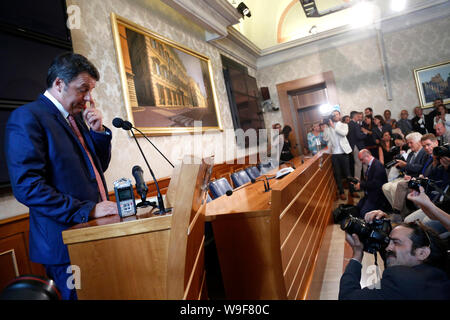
(412, 167)
(432, 170)
(429, 213)
(414, 266)
(374, 178)
(335, 134)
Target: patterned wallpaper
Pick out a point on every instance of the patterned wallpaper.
(358, 72)
(94, 39)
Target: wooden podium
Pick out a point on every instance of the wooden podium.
(147, 256)
(269, 243)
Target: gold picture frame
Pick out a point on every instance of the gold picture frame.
(167, 87)
(433, 82)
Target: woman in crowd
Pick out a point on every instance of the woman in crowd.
(442, 116)
(396, 130)
(379, 127)
(384, 149)
(369, 142)
(286, 151)
(315, 139)
(387, 117)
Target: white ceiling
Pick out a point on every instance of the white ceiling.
(276, 22)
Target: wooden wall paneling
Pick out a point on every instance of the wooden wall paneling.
(14, 250)
(186, 252)
(246, 257)
(294, 248)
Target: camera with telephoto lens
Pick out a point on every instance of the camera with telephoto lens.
(442, 151)
(392, 163)
(415, 183)
(374, 236)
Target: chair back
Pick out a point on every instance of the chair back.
(239, 178)
(30, 287)
(253, 172)
(219, 187)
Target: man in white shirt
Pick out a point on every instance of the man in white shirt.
(336, 136)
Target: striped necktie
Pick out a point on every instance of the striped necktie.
(77, 132)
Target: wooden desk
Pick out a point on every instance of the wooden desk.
(268, 242)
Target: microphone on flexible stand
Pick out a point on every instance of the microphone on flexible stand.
(126, 125)
(266, 187)
(288, 161)
(141, 187)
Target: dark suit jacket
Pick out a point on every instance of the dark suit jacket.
(421, 282)
(414, 168)
(355, 136)
(52, 175)
(428, 125)
(373, 194)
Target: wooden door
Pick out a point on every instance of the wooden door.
(306, 103)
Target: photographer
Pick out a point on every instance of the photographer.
(411, 167)
(431, 170)
(415, 259)
(430, 214)
(336, 136)
(375, 177)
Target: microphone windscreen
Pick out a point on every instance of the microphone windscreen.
(117, 122)
(136, 169)
(127, 125)
(229, 192)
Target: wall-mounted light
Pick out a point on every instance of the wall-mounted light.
(244, 10)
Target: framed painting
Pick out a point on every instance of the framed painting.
(433, 82)
(168, 88)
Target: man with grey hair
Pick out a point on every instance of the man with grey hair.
(412, 167)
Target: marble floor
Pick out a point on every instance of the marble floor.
(339, 254)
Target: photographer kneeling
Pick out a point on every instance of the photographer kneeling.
(375, 177)
(415, 259)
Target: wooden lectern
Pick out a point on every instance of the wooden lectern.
(147, 256)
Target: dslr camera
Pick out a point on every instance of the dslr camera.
(374, 236)
(326, 119)
(442, 151)
(392, 163)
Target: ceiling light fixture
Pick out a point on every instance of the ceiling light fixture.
(244, 10)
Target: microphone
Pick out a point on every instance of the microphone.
(119, 123)
(141, 187)
(266, 187)
(290, 162)
(126, 125)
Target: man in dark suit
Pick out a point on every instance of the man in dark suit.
(415, 258)
(375, 177)
(57, 150)
(356, 139)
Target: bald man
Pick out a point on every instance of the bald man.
(375, 177)
(442, 133)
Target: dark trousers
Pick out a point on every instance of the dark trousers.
(341, 169)
(58, 273)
